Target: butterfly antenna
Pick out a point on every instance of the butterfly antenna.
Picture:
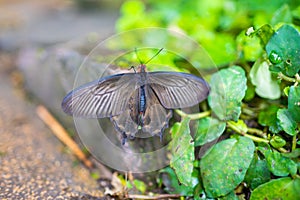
(154, 55)
(137, 55)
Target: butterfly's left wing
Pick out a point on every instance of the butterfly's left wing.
(102, 98)
(178, 90)
(126, 123)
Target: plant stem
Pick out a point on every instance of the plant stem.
(248, 111)
(193, 116)
(257, 132)
(294, 142)
(289, 79)
(254, 138)
(282, 150)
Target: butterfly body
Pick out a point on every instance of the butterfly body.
(133, 101)
(142, 104)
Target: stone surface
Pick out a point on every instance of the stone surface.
(34, 164)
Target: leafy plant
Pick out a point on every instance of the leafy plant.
(254, 101)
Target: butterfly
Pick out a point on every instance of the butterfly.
(140, 100)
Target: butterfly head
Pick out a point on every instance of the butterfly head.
(142, 68)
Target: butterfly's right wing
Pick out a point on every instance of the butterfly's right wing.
(106, 97)
(156, 117)
(178, 90)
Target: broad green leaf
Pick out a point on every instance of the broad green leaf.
(182, 149)
(282, 188)
(285, 49)
(278, 164)
(224, 166)
(228, 88)
(172, 185)
(286, 121)
(258, 173)
(268, 117)
(294, 103)
(208, 130)
(266, 85)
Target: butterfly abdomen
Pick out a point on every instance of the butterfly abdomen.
(142, 104)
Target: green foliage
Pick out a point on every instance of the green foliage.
(174, 186)
(282, 188)
(277, 163)
(254, 97)
(268, 118)
(224, 166)
(228, 87)
(283, 51)
(182, 152)
(266, 85)
(208, 129)
(258, 172)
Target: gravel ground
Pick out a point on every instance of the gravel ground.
(33, 163)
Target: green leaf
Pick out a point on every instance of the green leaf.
(294, 154)
(250, 92)
(228, 88)
(264, 33)
(286, 121)
(224, 166)
(133, 7)
(208, 130)
(182, 149)
(288, 118)
(266, 85)
(230, 196)
(172, 185)
(282, 188)
(239, 125)
(140, 185)
(258, 173)
(283, 44)
(268, 117)
(286, 90)
(249, 46)
(278, 164)
(283, 14)
(198, 192)
(294, 103)
(277, 142)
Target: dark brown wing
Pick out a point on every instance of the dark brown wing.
(106, 97)
(126, 123)
(154, 120)
(156, 117)
(178, 90)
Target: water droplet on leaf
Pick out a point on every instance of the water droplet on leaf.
(275, 58)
